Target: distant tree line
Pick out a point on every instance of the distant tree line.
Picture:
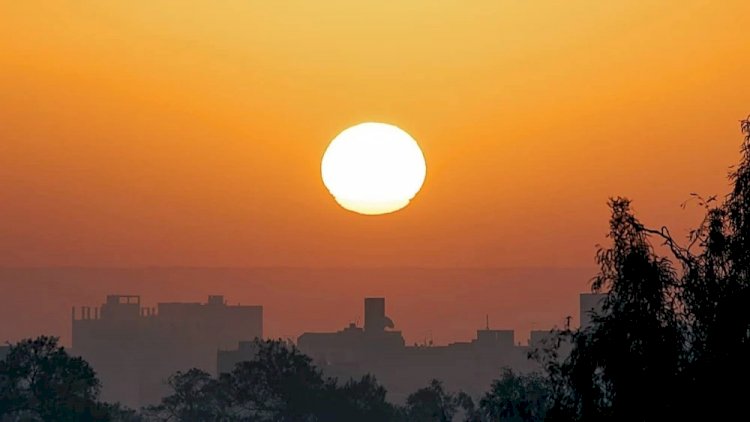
(39, 381)
(672, 343)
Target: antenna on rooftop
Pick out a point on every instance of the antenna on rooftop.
(487, 321)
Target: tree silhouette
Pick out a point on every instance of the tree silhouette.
(630, 359)
(516, 398)
(469, 409)
(431, 404)
(716, 293)
(361, 400)
(279, 384)
(193, 398)
(115, 412)
(40, 381)
(667, 342)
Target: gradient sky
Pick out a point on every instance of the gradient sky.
(191, 133)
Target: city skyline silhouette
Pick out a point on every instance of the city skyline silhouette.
(135, 348)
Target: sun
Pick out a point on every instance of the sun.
(373, 168)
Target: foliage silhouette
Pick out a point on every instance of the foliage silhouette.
(667, 341)
(431, 404)
(40, 381)
(193, 398)
(716, 292)
(638, 337)
(360, 400)
(279, 384)
(516, 398)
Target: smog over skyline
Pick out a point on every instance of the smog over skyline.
(457, 303)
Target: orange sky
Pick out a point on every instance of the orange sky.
(190, 133)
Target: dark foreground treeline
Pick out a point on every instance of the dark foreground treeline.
(673, 343)
(39, 381)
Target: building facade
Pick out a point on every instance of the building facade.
(134, 349)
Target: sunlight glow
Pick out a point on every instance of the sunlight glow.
(373, 168)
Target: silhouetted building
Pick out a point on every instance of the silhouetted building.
(376, 348)
(4, 351)
(379, 350)
(135, 349)
(375, 319)
(353, 341)
(590, 304)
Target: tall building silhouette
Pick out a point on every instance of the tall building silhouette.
(134, 349)
(375, 319)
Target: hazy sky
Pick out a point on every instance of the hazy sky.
(191, 133)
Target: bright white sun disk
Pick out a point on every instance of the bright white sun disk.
(373, 168)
